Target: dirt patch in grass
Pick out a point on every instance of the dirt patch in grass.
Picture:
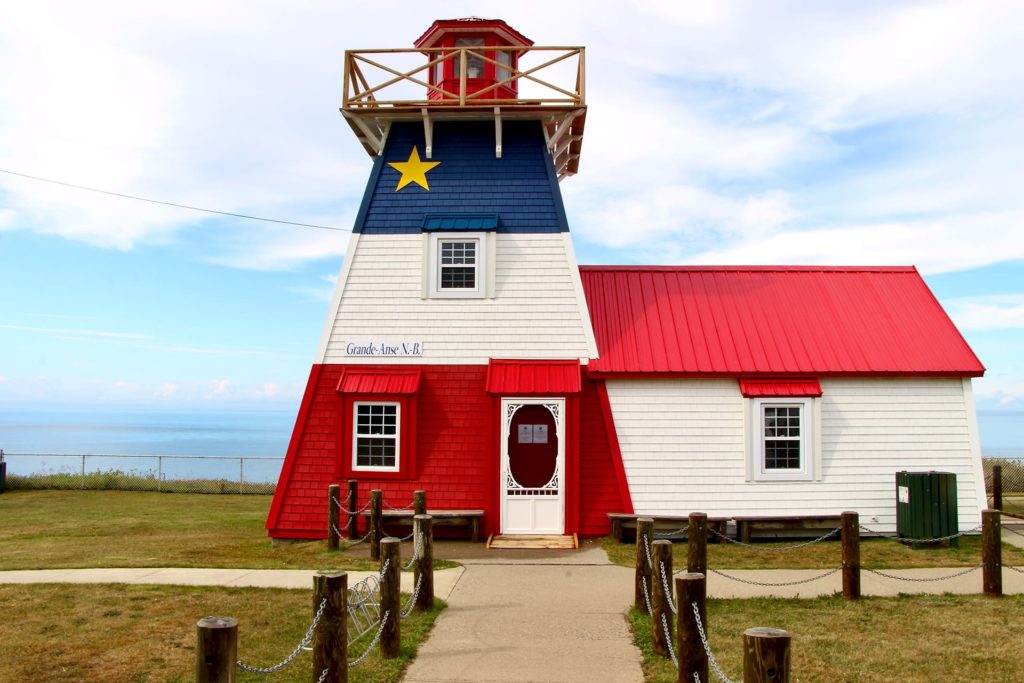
(920, 638)
(72, 529)
(59, 633)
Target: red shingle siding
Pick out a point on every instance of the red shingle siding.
(453, 442)
(599, 486)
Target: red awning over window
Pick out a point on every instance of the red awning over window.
(533, 377)
(760, 388)
(379, 381)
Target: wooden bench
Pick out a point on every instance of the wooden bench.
(782, 525)
(469, 518)
(664, 523)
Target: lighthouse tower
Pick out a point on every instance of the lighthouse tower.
(454, 352)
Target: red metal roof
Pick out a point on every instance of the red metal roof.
(379, 381)
(771, 321)
(755, 388)
(533, 376)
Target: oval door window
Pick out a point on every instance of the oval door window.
(532, 446)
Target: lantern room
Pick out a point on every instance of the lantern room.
(477, 52)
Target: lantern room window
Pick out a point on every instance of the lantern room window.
(474, 64)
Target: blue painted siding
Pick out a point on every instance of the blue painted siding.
(520, 186)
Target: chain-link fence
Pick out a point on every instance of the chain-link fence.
(165, 473)
(1013, 482)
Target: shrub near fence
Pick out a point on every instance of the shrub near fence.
(163, 473)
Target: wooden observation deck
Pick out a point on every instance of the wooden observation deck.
(542, 83)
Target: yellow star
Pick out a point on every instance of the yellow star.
(413, 170)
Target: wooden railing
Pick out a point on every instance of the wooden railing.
(547, 77)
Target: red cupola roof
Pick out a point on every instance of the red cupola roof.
(509, 36)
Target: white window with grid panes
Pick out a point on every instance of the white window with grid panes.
(457, 265)
(783, 439)
(376, 436)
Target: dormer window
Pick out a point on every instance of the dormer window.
(458, 265)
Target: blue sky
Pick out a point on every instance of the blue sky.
(717, 133)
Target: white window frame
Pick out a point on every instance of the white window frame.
(397, 437)
(483, 262)
(808, 440)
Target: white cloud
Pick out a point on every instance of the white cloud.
(991, 312)
(104, 334)
(219, 389)
(274, 248)
(165, 389)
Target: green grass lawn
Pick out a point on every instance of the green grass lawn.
(875, 553)
(57, 633)
(69, 529)
(912, 639)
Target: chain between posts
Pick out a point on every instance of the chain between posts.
(647, 596)
(341, 508)
(775, 549)
(384, 567)
(1019, 570)
(417, 551)
(668, 638)
(1011, 530)
(940, 539)
(355, 543)
(323, 675)
(405, 507)
(668, 593)
(304, 643)
(412, 601)
(707, 648)
(373, 643)
(923, 580)
(669, 534)
(775, 585)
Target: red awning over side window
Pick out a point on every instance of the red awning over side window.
(761, 388)
(379, 381)
(533, 377)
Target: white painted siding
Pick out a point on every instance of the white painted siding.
(535, 312)
(683, 446)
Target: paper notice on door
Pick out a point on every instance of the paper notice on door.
(903, 493)
(540, 433)
(525, 434)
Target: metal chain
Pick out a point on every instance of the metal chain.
(373, 643)
(707, 648)
(920, 580)
(417, 552)
(323, 675)
(668, 640)
(668, 593)
(412, 601)
(1019, 570)
(406, 507)
(343, 510)
(384, 567)
(773, 585)
(647, 596)
(647, 549)
(921, 540)
(361, 540)
(304, 643)
(670, 534)
(403, 539)
(1012, 530)
(775, 549)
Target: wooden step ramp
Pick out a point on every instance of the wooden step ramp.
(533, 542)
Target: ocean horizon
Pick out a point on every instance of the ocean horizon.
(259, 433)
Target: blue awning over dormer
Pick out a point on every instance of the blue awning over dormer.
(456, 222)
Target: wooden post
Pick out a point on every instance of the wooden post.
(333, 516)
(216, 649)
(851, 554)
(661, 557)
(997, 487)
(765, 655)
(423, 526)
(376, 522)
(419, 502)
(991, 552)
(353, 516)
(330, 639)
(697, 544)
(644, 536)
(693, 658)
(390, 596)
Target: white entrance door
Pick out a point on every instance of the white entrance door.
(533, 466)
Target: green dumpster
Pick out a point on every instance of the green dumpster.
(926, 506)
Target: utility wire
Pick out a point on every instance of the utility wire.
(180, 206)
